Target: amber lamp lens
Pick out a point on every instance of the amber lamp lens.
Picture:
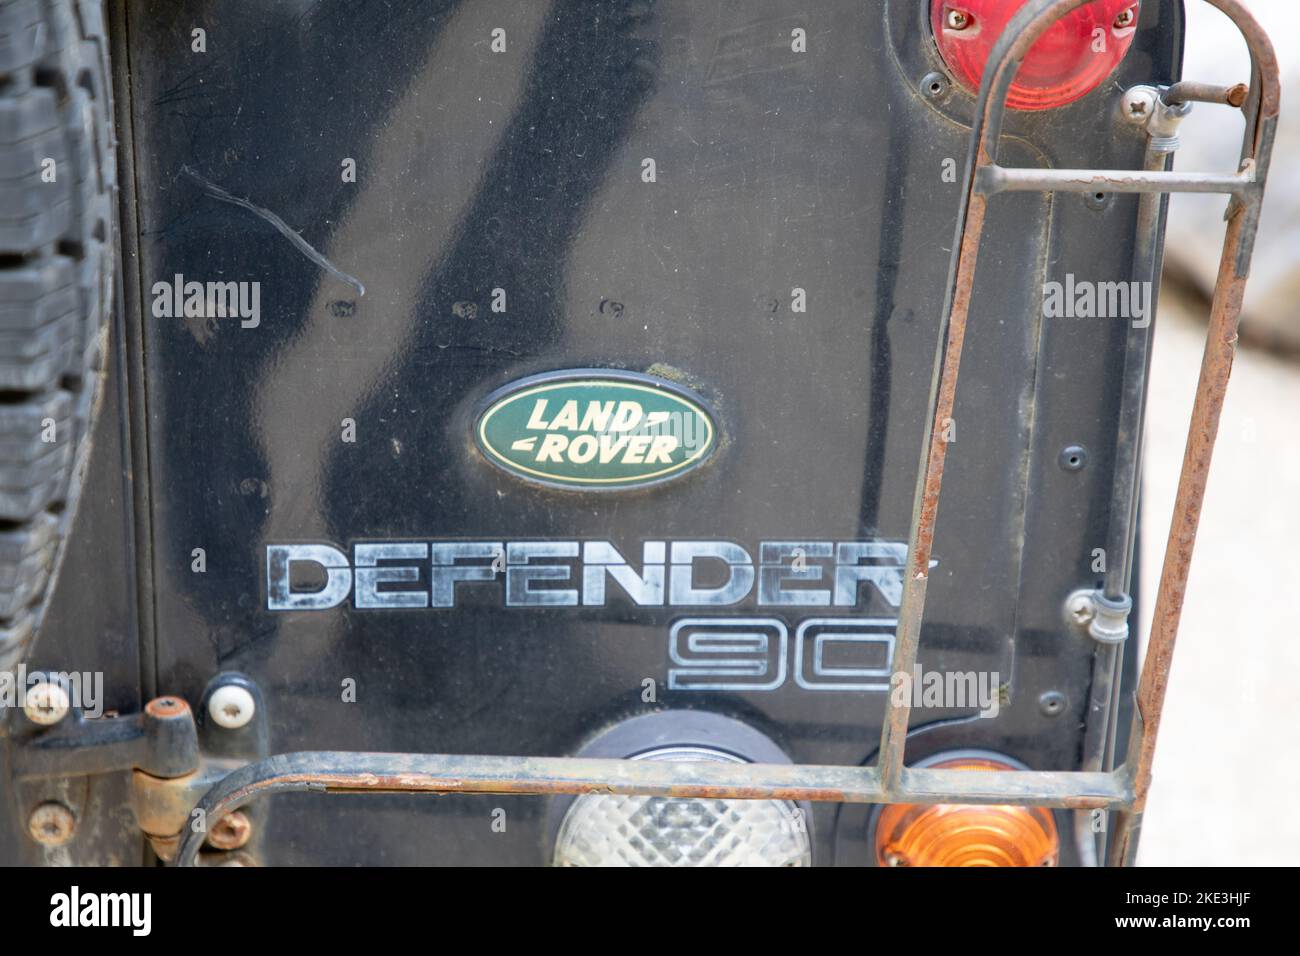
(951, 834)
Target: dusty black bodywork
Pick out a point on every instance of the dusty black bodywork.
(523, 170)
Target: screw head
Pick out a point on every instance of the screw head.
(894, 859)
(958, 19)
(1126, 18)
(231, 706)
(230, 832)
(1079, 608)
(51, 824)
(1139, 104)
(46, 704)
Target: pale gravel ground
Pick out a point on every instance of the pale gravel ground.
(1227, 769)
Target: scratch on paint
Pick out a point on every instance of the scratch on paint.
(302, 245)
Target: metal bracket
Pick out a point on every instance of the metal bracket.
(174, 758)
(1151, 108)
(1102, 618)
(161, 741)
(233, 732)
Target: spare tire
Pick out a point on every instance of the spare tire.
(58, 184)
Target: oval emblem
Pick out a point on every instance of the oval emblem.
(595, 429)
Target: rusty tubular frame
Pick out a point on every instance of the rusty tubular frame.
(890, 781)
(985, 178)
(352, 772)
(993, 179)
(1190, 92)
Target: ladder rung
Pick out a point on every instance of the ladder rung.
(999, 179)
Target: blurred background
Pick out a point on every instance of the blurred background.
(1227, 768)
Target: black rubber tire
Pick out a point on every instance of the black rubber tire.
(57, 267)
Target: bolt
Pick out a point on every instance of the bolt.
(1139, 104)
(894, 859)
(1052, 702)
(231, 831)
(51, 824)
(1125, 18)
(46, 704)
(1079, 608)
(958, 19)
(231, 706)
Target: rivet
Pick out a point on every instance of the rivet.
(1074, 457)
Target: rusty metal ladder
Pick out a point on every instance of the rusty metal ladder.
(1123, 790)
(984, 179)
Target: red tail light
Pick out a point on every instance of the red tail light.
(1070, 60)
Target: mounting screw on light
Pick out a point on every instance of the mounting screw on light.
(46, 704)
(51, 824)
(958, 19)
(231, 706)
(1126, 18)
